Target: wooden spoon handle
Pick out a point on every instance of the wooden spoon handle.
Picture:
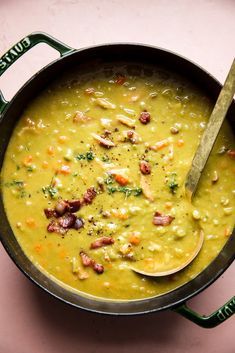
(209, 136)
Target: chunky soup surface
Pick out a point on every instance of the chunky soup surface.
(93, 181)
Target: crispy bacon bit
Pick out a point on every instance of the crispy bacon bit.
(54, 227)
(162, 220)
(50, 212)
(120, 79)
(231, 153)
(98, 268)
(74, 205)
(144, 117)
(145, 167)
(67, 221)
(103, 141)
(61, 207)
(89, 195)
(79, 223)
(88, 262)
(98, 243)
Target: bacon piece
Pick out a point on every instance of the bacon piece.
(61, 207)
(98, 243)
(89, 195)
(79, 223)
(74, 205)
(89, 262)
(133, 137)
(231, 153)
(86, 260)
(98, 268)
(50, 212)
(162, 220)
(145, 167)
(120, 79)
(103, 141)
(67, 221)
(54, 227)
(144, 117)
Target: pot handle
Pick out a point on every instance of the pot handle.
(22, 47)
(215, 319)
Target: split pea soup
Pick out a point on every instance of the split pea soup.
(93, 181)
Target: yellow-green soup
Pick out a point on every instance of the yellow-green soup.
(120, 141)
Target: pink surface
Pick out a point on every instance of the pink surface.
(33, 322)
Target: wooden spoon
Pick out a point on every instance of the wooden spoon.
(199, 161)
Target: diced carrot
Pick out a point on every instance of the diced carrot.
(62, 139)
(227, 232)
(30, 222)
(64, 169)
(121, 180)
(27, 161)
(160, 145)
(38, 248)
(51, 150)
(168, 205)
(134, 239)
(180, 142)
(45, 164)
(62, 254)
(120, 215)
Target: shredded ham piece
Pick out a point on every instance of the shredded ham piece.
(126, 121)
(144, 183)
(98, 243)
(89, 262)
(162, 220)
(231, 153)
(103, 141)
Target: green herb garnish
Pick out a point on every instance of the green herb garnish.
(124, 189)
(50, 190)
(109, 180)
(105, 158)
(172, 183)
(89, 156)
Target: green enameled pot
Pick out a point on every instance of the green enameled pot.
(11, 111)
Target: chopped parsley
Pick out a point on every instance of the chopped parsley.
(89, 156)
(172, 183)
(109, 180)
(124, 189)
(105, 158)
(19, 185)
(50, 191)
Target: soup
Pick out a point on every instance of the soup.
(93, 181)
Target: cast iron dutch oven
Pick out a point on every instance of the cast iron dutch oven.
(10, 112)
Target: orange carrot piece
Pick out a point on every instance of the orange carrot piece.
(51, 150)
(27, 161)
(180, 143)
(121, 180)
(134, 239)
(64, 169)
(160, 145)
(62, 139)
(30, 222)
